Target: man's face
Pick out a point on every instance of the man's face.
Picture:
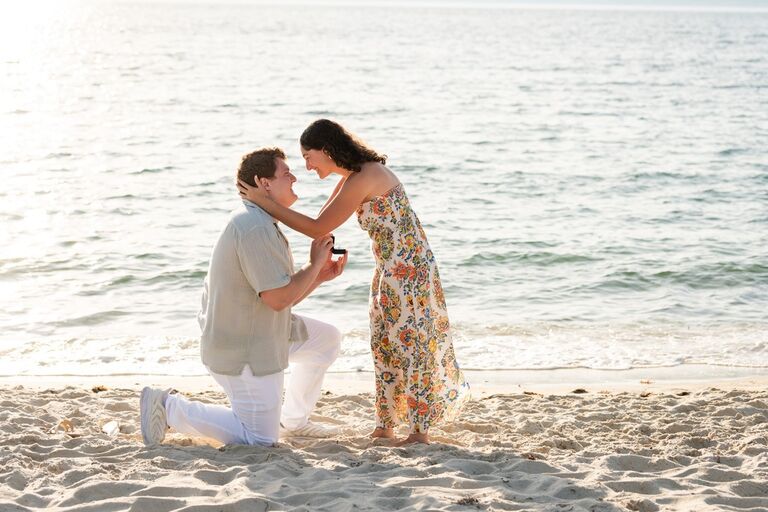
(280, 186)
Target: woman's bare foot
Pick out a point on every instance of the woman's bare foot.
(416, 437)
(387, 433)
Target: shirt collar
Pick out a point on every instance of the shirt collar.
(259, 210)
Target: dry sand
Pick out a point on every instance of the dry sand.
(675, 447)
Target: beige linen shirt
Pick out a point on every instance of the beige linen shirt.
(251, 256)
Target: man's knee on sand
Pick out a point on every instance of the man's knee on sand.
(264, 436)
(259, 419)
(266, 404)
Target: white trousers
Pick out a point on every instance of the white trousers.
(256, 411)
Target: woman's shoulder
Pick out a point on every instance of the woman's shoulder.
(379, 173)
(376, 179)
(374, 168)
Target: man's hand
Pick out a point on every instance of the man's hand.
(332, 269)
(320, 251)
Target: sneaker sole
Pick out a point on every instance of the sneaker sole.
(153, 422)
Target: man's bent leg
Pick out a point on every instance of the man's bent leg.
(204, 420)
(309, 361)
(253, 419)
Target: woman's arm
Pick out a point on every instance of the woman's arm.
(334, 194)
(351, 193)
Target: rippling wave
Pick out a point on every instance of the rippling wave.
(525, 258)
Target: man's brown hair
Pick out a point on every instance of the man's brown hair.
(259, 163)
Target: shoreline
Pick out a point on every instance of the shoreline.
(688, 377)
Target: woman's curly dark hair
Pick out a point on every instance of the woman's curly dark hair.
(345, 149)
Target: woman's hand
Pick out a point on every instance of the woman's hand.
(256, 195)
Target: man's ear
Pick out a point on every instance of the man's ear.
(264, 184)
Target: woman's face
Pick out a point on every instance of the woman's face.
(318, 161)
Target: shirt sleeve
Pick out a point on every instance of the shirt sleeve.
(264, 259)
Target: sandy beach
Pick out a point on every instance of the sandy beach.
(75, 444)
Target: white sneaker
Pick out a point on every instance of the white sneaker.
(311, 430)
(154, 422)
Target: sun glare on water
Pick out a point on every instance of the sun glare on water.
(27, 41)
(24, 26)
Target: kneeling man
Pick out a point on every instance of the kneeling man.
(249, 335)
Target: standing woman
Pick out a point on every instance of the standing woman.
(417, 377)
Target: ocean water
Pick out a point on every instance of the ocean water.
(593, 183)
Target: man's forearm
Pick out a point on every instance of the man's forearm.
(302, 283)
(306, 281)
(309, 290)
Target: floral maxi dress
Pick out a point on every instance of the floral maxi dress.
(418, 380)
